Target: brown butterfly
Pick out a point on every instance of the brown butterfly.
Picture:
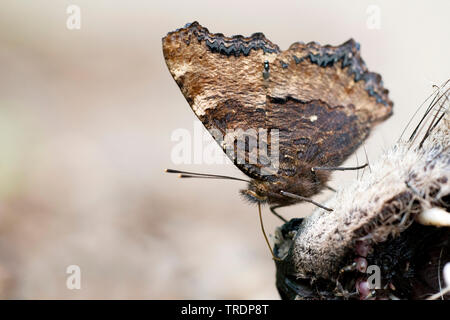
(320, 100)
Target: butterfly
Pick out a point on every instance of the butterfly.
(320, 103)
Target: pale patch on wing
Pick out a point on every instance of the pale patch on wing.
(180, 70)
(200, 105)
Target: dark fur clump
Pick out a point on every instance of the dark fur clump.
(410, 266)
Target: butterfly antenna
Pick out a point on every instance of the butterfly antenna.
(265, 235)
(291, 195)
(210, 177)
(338, 168)
(187, 174)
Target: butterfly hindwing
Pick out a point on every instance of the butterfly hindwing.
(321, 101)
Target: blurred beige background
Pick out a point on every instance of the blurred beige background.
(86, 118)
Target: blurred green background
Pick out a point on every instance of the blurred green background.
(86, 118)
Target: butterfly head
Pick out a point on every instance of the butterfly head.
(255, 193)
(259, 191)
(270, 191)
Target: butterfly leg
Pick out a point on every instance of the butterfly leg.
(272, 209)
(295, 196)
(340, 291)
(316, 180)
(313, 169)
